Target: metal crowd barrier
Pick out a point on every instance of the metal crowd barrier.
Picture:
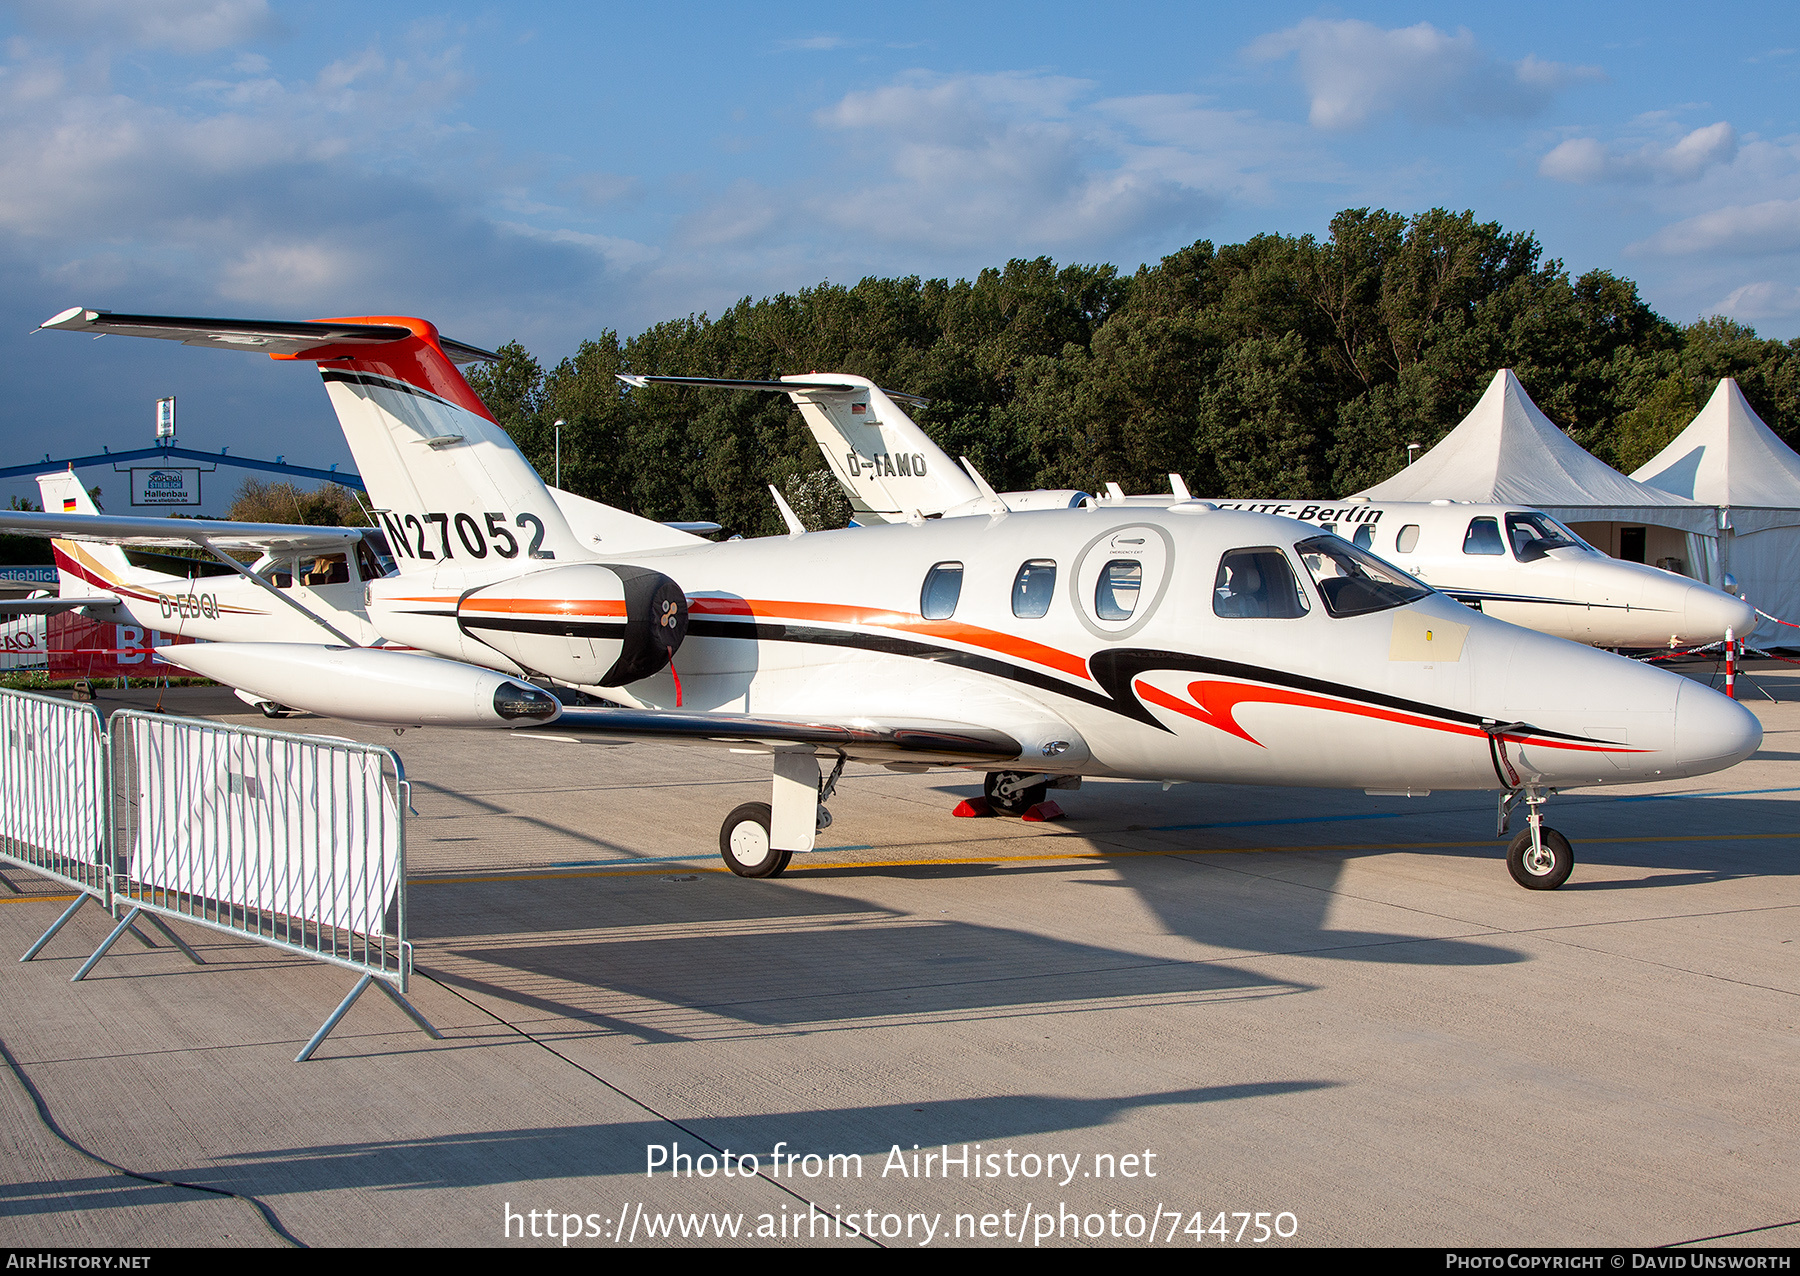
(296, 841)
(53, 797)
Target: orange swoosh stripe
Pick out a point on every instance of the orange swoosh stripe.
(548, 606)
(881, 618)
(1216, 704)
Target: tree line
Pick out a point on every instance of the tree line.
(1283, 366)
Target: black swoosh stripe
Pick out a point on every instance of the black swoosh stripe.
(1484, 597)
(380, 383)
(1113, 669)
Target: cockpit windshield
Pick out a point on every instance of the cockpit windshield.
(1533, 535)
(1352, 582)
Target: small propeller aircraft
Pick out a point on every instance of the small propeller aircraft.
(1177, 643)
(1512, 562)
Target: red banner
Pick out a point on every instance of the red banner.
(83, 648)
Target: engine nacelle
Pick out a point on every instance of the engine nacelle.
(368, 684)
(591, 624)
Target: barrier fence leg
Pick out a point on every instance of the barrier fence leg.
(105, 944)
(411, 1011)
(55, 926)
(175, 939)
(344, 1007)
(326, 1027)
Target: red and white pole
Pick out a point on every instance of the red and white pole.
(1730, 665)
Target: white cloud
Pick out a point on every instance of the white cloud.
(1767, 300)
(272, 198)
(1585, 159)
(186, 26)
(819, 44)
(1356, 72)
(1017, 162)
(1772, 226)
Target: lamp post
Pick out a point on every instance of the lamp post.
(560, 422)
(1412, 450)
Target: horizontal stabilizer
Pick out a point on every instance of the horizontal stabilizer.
(822, 385)
(52, 606)
(264, 336)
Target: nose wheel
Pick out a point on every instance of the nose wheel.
(1540, 858)
(1542, 866)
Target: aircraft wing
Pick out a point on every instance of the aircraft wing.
(265, 336)
(859, 739)
(147, 533)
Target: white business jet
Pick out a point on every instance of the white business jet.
(1515, 563)
(1184, 643)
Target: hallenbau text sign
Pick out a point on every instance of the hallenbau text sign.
(165, 485)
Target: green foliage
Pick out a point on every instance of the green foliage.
(329, 505)
(24, 551)
(1283, 366)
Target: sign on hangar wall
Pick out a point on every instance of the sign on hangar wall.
(165, 485)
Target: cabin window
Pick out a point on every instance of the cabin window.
(1408, 539)
(279, 573)
(1257, 583)
(1483, 537)
(1033, 587)
(1116, 592)
(1353, 583)
(943, 586)
(325, 569)
(1364, 538)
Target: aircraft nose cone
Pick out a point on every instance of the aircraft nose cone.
(1712, 731)
(1707, 613)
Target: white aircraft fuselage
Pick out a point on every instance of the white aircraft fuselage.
(830, 625)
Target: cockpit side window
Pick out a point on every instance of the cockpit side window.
(1354, 583)
(1533, 535)
(1258, 583)
(943, 587)
(1483, 537)
(1033, 588)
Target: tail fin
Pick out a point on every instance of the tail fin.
(449, 484)
(888, 467)
(86, 567)
(885, 462)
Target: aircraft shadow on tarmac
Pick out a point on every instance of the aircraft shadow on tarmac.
(857, 960)
(839, 961)
(582, 1151)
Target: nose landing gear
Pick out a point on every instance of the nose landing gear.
(1540, 858)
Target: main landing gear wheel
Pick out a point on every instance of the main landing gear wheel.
(744, 843)
(1540, 870)
(272, 710)
(1020, 802)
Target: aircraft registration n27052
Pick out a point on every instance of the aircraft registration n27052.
(1177, 643)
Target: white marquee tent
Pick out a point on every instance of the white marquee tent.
(1506, 451)
(1727, 458)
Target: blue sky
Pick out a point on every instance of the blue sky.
(542, 172)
